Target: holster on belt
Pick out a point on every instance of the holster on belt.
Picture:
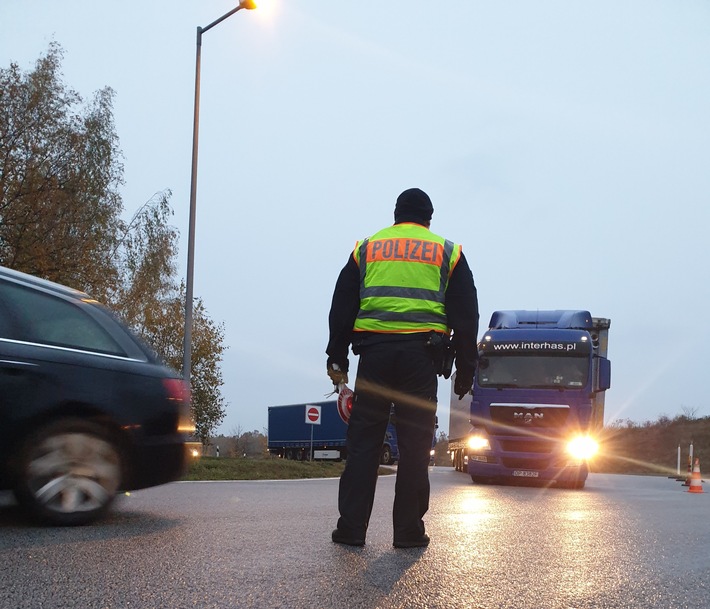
(442, 353)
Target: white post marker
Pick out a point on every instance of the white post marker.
(312, 418)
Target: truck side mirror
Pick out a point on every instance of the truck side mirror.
(604, 374)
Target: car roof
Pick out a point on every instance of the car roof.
(42, 283)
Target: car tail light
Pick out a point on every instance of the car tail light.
(177, 389)
(179, 392)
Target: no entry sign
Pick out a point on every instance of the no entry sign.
(312, 414)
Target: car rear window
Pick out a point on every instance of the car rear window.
(36, 317)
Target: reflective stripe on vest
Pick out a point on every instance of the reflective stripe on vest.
(404, 271)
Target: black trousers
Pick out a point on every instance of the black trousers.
(400, 373)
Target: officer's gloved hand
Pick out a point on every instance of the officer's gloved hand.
(337, 375)
(462, 384)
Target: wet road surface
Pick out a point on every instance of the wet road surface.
(623, 541)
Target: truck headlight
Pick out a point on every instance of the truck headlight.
(582, 447)
(479, 443)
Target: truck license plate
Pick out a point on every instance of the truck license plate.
(525, 473)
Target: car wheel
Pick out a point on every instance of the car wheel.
(69, 473)
(386, 458)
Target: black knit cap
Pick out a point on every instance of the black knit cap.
(413, 205)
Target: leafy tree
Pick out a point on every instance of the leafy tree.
(441, 450)
(250, 443)
(163, 328)
(60, 218)
(60, 171)
(208, 405)
(147, 247)
(147, 254)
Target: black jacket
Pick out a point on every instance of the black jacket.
(461, 306)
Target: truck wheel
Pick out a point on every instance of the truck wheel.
(576, 485)
(386, 458)
(69, 473)
(459, 461)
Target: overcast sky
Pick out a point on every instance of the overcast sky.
(565, 144)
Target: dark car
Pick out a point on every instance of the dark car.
(86, 409)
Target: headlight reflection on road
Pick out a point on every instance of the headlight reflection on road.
(472, 512)
(576, 515)
(585, 536)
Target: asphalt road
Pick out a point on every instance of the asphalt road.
(623, 541)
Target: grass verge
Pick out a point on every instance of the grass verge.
(270, 468)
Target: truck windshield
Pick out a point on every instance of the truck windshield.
(533, 371)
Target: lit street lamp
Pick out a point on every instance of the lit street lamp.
(187, 338)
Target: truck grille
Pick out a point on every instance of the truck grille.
(539, 453)
(518, 463)
(531, 445)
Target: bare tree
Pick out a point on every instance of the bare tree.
(689, 412)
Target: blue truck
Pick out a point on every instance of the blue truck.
(290, 435)
(537, 400)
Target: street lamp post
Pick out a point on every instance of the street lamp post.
(187, 337)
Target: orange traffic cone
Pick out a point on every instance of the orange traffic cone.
(696, 483)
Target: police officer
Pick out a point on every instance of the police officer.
(396, 300)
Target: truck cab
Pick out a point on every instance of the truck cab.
(537, 399)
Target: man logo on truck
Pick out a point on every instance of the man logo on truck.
(528, 417)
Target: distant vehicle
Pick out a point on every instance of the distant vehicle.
(537, 401)
(290, 434)
(86, 410)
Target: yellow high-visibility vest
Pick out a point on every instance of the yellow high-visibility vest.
(404, 271)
